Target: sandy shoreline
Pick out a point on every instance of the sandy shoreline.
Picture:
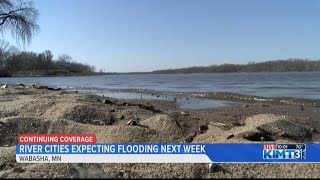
(32, 110)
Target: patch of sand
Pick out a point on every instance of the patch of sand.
(216, 134)
(42, 111)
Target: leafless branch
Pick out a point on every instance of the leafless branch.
(19, 18)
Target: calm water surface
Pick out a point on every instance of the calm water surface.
(300, 85)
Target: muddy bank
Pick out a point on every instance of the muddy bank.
(43, 110)
(226, 96)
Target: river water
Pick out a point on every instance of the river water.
(291, 84)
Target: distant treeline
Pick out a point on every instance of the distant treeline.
(289, 65)
(21, 63)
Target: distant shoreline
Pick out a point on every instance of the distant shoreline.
(58, 75)
(289, 65)
(143, 73)
(212, 72)
(277, 66)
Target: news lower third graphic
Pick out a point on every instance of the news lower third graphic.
(82, 148)
(284, 151)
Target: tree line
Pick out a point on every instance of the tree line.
(288, 65)
(19, 18)
(14, 62)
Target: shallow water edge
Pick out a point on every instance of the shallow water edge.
(196, 100)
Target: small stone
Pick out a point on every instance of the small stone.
(4, 86)
(282, 133)
(265, 105)
(238, 124)
(313, 130)
(246, 105)
(98, 122)
(119, 174)
(106, 101)
(230, 136)
(18, 170)
(135, 117)
(212, 167)
(184, 113)
(218, 124)
(301, 108)
(188, 139)
(203, 128)
(132, 122)
(73, 172)
(2, 164)
(112, 110)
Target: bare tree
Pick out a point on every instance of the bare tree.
(4, 48)
(19, 17)
(66, 58)
(48, 59)
(64, 61)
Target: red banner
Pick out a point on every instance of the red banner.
(57, 139)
